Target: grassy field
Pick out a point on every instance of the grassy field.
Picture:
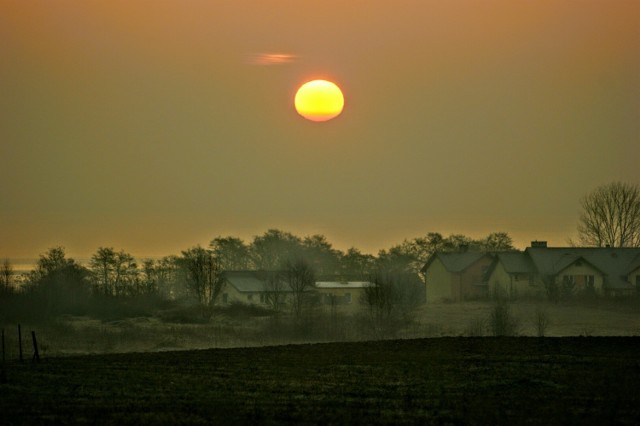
(521, 380)
(70, 335)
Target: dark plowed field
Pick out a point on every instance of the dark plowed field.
(430, 381)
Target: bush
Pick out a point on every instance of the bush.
(475, 328)
(541, 321)
(502, 321)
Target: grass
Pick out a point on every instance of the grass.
(421, 381)
(246, 326)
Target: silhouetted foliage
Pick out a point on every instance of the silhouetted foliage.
(357, 264)
(231, 253)
(114, 273)
(274, 248)
(58, 285)
(320, 254)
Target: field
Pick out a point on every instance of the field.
(581, 380)
(69, 335)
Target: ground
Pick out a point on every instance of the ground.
(580, 380)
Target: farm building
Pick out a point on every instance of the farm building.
(456, 276)
(254, 287)
(340, 293)
(263, 287)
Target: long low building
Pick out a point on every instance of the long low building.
(270, 288)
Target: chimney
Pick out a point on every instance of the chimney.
(538, 244)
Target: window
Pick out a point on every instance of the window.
(225, 298)
(590, 282)
(249, 296)
(262, 298)
(347, 298)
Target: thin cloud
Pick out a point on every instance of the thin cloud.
(271, 58)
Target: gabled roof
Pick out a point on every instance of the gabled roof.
(614, 263)
(635, 264)
(513, 263)
(455, 262)
(245, 281)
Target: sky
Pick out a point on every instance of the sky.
(153, 126)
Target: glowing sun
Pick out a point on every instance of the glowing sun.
(319, 100)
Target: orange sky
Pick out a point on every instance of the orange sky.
(150, 126)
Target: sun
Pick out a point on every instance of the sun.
(319, 100)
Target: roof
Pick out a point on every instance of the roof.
(455, 262)
(512, 262)
(635, 264)
(515, 262)
(245, 281)
(338, 284)
(614, 263)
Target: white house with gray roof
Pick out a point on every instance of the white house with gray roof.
(600, 270)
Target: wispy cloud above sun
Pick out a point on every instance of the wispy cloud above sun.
(267, 59)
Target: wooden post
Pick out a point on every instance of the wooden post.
(20, 341)
(36, 355)
(3, 374)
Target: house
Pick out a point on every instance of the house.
(511, 274)
(254, 287)
(633, 274)
(607, 271)
(341, 293)
(456, 276)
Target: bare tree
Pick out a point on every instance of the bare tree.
(204, 277)
(275, 287)
(390, 301)
(380, 298)
(301, 279)
(611, 216)
(114, 273)
(6, 277)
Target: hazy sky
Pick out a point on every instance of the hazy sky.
(153, 126)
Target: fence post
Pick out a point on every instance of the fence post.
(20, 341)
(36, 355)
(3, 374)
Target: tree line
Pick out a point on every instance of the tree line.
(59, 284)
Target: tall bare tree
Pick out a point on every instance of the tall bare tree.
(204, 277)
(301, 279)
(276, 289)
(114, 273)
(611, 216)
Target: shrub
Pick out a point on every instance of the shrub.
(502, 321)
(541, 321)
(475, 328)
